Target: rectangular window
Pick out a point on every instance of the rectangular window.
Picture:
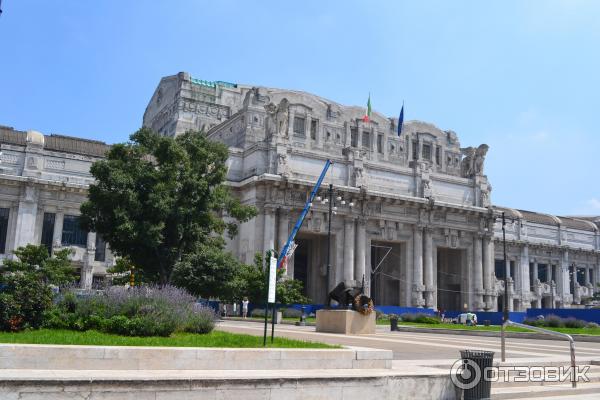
(438, 155)
(48, 231)
(427, 152)
(415, 150)
(4, 213)
(380, 143)
(313, 129)
(72, 234)
(299, 126)
(531, 277)
(366, 139)
(543, 273)
(100, 254)
(354, 137)
(581, 276)
(499, 269)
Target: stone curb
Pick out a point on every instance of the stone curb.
(65, 357)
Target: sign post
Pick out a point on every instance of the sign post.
(271, 285)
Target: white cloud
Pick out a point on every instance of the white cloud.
(594, 204)
(590, 207)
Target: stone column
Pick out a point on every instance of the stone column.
(535, 272)
(428, 265)
(282, 237)
(417, 289)
(361, 243)
(58, 226)
(549, 273)
(87, 271)
(488, 271)
(478, 272)
(26, 217)
(349, 241)
(525, 282)
(563, 284)
(269, 231)
(586, 272)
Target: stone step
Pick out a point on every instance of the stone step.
(545, 391)
(593, 375)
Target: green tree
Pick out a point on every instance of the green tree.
(157, 199)
(251, 282)
(35, 260)
(208, 272)
(26, 293)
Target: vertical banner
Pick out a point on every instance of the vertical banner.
(272, 280)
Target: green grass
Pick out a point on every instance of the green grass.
(213, 339)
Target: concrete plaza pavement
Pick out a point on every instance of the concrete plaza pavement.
(425, 346)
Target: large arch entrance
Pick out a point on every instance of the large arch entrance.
(451, 291)
(310, 265)
(386, 281)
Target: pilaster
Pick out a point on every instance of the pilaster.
(349, 241)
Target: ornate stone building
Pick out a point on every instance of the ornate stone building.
(43, 181)
(413, 212)
(414, 215)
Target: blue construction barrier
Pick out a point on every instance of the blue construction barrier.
(589, 314)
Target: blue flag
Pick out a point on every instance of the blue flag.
(401, 120)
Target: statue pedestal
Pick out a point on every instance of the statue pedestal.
(346, 322)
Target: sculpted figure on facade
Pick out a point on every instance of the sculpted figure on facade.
(283, 117)
(466, 166)
(271, 120)
(479, 159)
(472, 164)
(282, 165)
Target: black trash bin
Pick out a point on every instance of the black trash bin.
(393, 324)
(475, 362)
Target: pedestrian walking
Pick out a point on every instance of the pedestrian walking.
(245, 303)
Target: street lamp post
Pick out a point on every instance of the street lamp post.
(332, 210)
(505, 308)
(330, 194)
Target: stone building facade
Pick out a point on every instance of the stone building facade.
(43, 181)
(413, 217)
(413, 213)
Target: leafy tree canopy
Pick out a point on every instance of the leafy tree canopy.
(35, 260)
(158, 198)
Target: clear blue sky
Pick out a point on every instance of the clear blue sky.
(521, 76)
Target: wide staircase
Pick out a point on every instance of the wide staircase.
(534, 388)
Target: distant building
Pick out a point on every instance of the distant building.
(422, 229)
(43, 181)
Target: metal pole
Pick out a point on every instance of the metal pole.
(266, 303)
(505, 308)
(273, 322)
(329, 246)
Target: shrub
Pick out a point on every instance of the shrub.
(592, 325)
(420, 318)
(291, 313)
(23, 302)
(202, 321)
(258, 312)
(553, 321)
(427, 319)
(533, 322)
(574, 323)
(140, 311)
(408, 317)
(392, 316)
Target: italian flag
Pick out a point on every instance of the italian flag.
(367, 116)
